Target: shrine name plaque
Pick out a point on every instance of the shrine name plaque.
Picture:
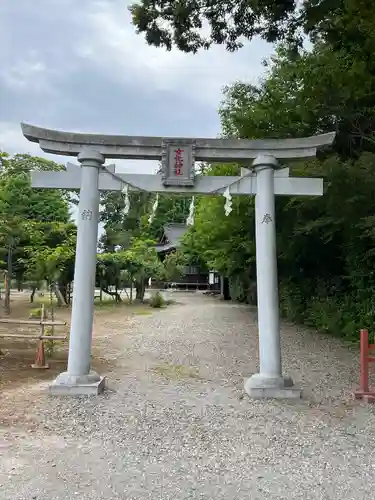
(177, 162)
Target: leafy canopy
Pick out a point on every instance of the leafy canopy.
(191, 25)
(325, 244)
(34, 222)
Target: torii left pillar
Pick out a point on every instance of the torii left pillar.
(79, 379)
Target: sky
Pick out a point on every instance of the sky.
(78, 65)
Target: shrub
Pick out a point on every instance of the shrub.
(157, 300)
(36, 313)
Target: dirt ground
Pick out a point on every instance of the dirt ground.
(17, 355)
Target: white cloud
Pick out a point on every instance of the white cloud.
(91, 72)
(81, 71)
(29, 72)
(110, 41)
(12, 141)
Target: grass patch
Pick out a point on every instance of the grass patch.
(135, 308)
(176, 372)
(142, 312)
(109, 303)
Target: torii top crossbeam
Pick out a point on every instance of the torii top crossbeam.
(153, 148)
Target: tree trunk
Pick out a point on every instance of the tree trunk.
(112, 294)
(61, 302)
(32, 295)
(63, 287)
(140, 289)
(8, 280)
(101, 290)
(131, 289)
(69, 293)
(7, 294)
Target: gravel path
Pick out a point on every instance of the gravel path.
(175, 424)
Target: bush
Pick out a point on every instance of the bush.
(36, 313)
(157, 301)
(49, 345)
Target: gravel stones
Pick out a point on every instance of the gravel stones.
(158, 436)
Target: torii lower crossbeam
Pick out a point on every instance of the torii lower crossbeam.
(239, 185)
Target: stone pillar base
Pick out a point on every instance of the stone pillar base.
(72, 385)
(258, 386)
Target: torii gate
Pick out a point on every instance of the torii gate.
(178, 155)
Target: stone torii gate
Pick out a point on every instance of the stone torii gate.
(264, 180)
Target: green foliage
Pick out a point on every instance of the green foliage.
(215, 236)
(173, 266)
(325, 244)
(129, 257)
(143, 258)
(121, 228)
(313, 92)
(51, 252)
(126, 231)
(157, 301)
(229, 22)
(50, 346)
(134, 265)
(171, 208)
(34, 223)
(36, 312)
(194, 25)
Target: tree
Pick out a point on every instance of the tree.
(110, 272)
(119, 227)
(173, 266)
(191, 25)
(145, 264)
(315, 92)
(171, 209)
(133, 266)
(225, 244)
(50, 256)
(128, 245)
(325, 245)
(24, 212)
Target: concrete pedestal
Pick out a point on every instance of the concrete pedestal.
(259, 386)
(70, 385)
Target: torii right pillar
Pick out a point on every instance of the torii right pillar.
(269, 382)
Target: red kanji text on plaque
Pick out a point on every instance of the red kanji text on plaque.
(179, 161)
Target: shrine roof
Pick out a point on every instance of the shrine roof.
(173, 232)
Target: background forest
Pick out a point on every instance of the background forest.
(321, 78)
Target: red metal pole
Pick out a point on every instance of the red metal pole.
(364, 361)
